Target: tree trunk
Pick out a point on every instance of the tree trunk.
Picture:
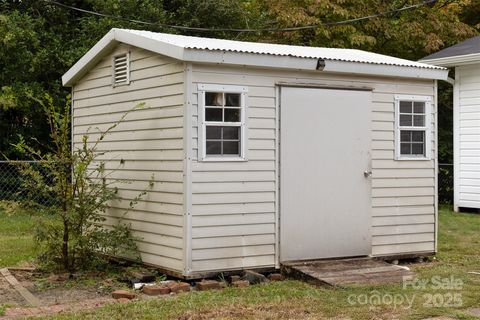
(66, 263)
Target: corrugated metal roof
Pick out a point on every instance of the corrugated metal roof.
(347, 55)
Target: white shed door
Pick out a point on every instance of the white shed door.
(325, 185)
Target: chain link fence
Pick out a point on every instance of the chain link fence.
(14, 187)
(445, 183)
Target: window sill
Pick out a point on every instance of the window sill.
(221, 159)
(413, 159)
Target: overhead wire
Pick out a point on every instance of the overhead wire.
(287, 29)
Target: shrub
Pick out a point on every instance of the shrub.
(72, 232)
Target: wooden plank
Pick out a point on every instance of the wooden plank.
(348, 271)
(27, 295)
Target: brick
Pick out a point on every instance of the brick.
(240, 284)
(117, 294)
(155, 290)
(207, 285)
(179, 287)
(144, 277)
(276, 277)
(235, 278)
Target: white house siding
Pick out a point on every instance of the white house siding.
(468, 146)
(234, 204)
(149, 140)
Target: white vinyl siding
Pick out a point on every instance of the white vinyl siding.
(149, 141)
(234, 205)
(467, 137)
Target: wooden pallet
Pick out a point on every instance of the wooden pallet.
(341, 272)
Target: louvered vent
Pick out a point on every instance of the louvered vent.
(121, 70)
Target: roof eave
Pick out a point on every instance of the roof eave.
(114, 36)
(97, 52)
(250, 59)
(89, 59)
(386, 70)
(454, 61)
(310, 64)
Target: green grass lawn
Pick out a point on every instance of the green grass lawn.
(459, 253)
(16, 241)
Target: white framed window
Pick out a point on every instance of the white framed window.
(121, 69)
(222, 127)
(413, 127)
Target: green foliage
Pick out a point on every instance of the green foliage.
(445, 122)
(410, 34)
(16, 240)
(73, 231)
(40, 41)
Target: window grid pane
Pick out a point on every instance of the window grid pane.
(223, 140)
(412, 114)
(223, 107)
(412, 143)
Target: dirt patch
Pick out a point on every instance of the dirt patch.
(8, 295)
(68, 295)
(16, 312)
(263, 311)
(50, 292)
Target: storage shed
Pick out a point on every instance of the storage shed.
(465, 59)
(263, 153)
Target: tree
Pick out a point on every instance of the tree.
(40, 41)
(410, 34)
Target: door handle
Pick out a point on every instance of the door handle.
(367, 173)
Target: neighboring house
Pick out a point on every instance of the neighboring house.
(263, 153)
(464, 58)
